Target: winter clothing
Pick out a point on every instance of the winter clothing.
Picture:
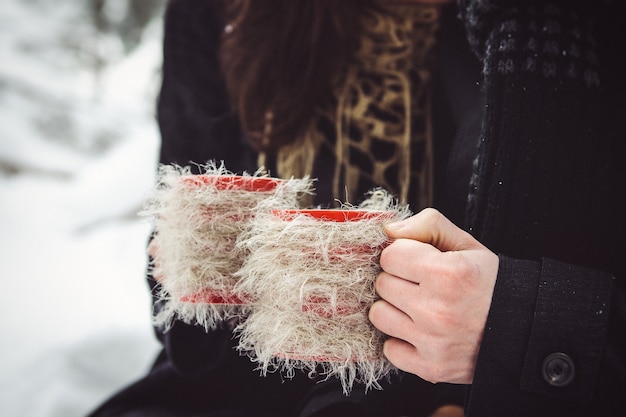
(526, 101)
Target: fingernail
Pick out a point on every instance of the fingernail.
(395, 226)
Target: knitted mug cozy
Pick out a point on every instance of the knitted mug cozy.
(313, 273)
(197, 222)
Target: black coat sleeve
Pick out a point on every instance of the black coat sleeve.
(554, 343)
(194, 114)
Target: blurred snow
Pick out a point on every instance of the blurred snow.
(78, 152)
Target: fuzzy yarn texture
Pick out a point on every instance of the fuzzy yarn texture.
(197, 222)
(313, 273)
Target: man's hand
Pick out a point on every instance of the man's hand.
(436, 289)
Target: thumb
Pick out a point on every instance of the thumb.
(432, 227)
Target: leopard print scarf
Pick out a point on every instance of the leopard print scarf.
(380, 130)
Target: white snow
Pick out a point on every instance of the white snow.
(78, 153)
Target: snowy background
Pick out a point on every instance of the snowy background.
(78, 151)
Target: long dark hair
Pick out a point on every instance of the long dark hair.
(283, 57)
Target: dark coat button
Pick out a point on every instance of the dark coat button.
(558, 369)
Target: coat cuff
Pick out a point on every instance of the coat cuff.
(569, 328)
(543, 338)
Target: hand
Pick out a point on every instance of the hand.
(153, 252)
(436, 289)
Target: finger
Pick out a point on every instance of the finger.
(409, 259)
(153, 253)
(153, 249)
(424, 362)
(398, 292)
(403, 355)
(430, 226)
(389, 320)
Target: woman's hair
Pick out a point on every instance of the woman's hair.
(281, 58)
